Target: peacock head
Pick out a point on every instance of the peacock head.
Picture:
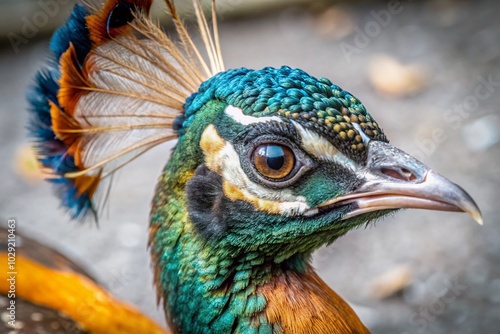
(272, 160)
(284, 163)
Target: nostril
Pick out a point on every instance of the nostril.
(399, 173)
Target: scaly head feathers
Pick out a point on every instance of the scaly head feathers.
(274, 108)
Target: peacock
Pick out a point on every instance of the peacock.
(269, 165)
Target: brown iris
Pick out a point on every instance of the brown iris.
(273, 160)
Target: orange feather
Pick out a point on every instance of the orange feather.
(303, 303)
(98, 23)
(73, 81)
(77, 296)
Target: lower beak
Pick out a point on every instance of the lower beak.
(395, 180)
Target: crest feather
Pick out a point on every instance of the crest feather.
(115, 89)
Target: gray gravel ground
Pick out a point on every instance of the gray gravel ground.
(451, 265)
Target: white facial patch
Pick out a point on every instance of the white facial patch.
(237, 114)
(321, 148)
(222, 158)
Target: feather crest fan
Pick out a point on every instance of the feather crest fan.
(114, 89)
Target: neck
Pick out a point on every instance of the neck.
(212, 285)
(204, 286)
(303, 303)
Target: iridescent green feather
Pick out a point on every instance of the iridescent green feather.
(210, 284)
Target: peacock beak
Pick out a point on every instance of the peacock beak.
(395, 180)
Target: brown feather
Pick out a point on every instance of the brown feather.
(303, 303)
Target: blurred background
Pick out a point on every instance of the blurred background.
(428, 71)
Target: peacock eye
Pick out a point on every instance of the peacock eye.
(273, 161)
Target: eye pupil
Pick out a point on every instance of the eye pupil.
(274, 161)
(275, 156)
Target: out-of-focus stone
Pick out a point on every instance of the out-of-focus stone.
(445, 12)
(391, 282)
(481, 134)
(389, 76)
(26, 165)
(335, 23)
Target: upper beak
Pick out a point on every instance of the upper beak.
(396, 180)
